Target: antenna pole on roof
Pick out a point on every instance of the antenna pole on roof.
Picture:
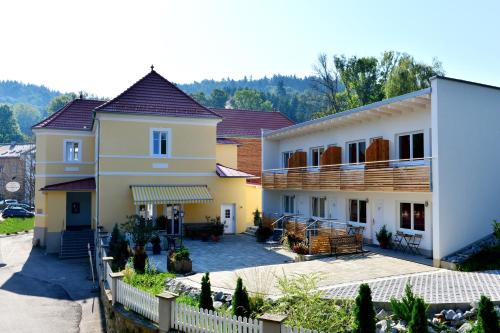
(152, 68)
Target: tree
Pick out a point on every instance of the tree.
(206, 301)
(10, 131)
(27, 115)
(403, 308)
(218, 98)
(59, 101)
(487, 317)
(418, 322)
(200, 98)
(250, 99)
(364, 312)
(240, 301)
(327, 82)
(118, 249)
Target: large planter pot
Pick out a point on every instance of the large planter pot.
(182, 266)
(384, 244)
(139, 259)
(300, 257)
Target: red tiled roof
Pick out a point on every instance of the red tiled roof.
(76, 115)
(249, 123)
(80, 184)
(227, 172)
(155, 95)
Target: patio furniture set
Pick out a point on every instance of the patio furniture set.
(406, 242)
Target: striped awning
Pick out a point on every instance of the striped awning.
(170, 194)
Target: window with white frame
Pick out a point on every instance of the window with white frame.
(285, 158)
(411, 146)
(357, 210)
(316, 155)
(318, 205)
(289, 204)
(160, 142)
(412, 216)
(356, 151)
(72, 151)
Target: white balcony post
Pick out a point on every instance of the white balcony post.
(104, 271)
(114, 285)
(165, 313)
(271, 323)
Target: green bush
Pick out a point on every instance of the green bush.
(486, 259)
(364, 312)
(118, 249)
(161, 222)
(403, 308)
(418, 322)
(487, 317)
(150, 281)
(140, 228)
(305, 307)
(181, 254)
(206, 301)
(189, 300)
(240, 301)
(263, 233)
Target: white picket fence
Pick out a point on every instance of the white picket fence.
(137, 300)
(288, 329)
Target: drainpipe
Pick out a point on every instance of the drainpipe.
(98, 138)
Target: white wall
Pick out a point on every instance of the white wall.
(270, 149)
(337, 207)
(466, 176)
(387, 127)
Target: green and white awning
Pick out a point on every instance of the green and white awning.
(170, 194)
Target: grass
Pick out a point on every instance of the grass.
(486, 259)
(152, 282)
(15, 224)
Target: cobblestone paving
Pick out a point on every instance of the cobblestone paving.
(441, 286)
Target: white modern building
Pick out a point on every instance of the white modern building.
(440, 178)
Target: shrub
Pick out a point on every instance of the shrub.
(240, 301)
(140, 228)
(383, 236)
(161, 222)
(364, 312)
(206, 301)
(257, 218)
(256, 305)
(403, 308)
(188, 300)
(418, 322)
(487, 317)
(486, 259)
(150, 281)
(181, 254)
(118, 249)
(263, 233)
(300, 248)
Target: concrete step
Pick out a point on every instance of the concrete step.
(251, 230)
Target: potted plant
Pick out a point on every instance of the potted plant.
(263, 233)
(141, 230)
(156, 242)
(383, 237)
(257, 218)
(217, 229)
(180, 262)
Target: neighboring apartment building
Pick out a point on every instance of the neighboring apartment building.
(17, 172)
(151, 150)
(440, 177)
(244, 129)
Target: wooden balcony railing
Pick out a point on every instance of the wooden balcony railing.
(387, 176)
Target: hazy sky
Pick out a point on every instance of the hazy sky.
(104, 46)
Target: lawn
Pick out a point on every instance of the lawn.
(486, 259)
(16, 224)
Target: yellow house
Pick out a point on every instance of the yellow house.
(152, 150)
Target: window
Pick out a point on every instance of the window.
(227, 213)
(289, 204)
(356, 151)
(318, 206)
(160, 145)
(316, 155)
(357, 210)
(286, 157)
(411, 146)
(72, 151)
(412, 216)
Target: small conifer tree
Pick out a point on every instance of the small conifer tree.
(487, 317)
(364, 312)
(418, 322)
(240, 302)
(118, 249)
(206, 301)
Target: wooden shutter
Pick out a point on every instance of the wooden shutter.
(377, 151)
(332, 155)
(298, 160)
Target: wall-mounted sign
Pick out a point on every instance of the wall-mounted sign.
(12, 186)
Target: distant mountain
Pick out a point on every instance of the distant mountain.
(12, 92)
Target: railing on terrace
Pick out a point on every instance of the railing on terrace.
(391, 176)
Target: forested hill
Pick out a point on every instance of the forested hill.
(13, 92)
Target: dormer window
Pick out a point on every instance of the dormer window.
(72, 151)
(160, 142)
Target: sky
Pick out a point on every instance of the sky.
(103, 46)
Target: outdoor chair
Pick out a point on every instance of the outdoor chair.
(414, 244)
(397, 241)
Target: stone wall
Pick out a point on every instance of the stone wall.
(120, 320)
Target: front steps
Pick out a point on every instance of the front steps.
(74, 244)
(251, 231)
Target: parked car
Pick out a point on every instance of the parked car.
(6, 202)
(22, 205)
(16, 212)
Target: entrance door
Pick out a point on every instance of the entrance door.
(172, 213)
(78, 210)
(227, 218)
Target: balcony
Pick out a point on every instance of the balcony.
(380, 176)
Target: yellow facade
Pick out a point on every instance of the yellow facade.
(124, 158)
